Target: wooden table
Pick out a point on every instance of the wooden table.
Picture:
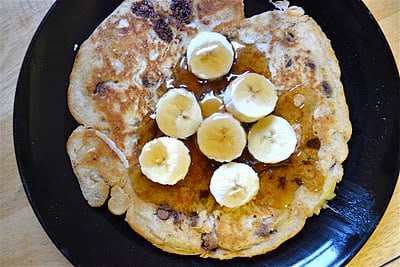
(24, 242)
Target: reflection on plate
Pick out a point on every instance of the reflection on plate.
(88, 236)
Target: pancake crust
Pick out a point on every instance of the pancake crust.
(121, 71)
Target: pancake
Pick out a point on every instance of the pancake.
(137, 54)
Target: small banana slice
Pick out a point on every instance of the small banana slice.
(234, 184)
(178, 113)
(165, 160)
(209, 55)
(250, 97)
(221, 137)
(271, 139)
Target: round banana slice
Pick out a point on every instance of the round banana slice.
(165, 160)
(178, 113)
(250, 97)
(221, 137)
(234, 184)
(271, 139)
(209, 55)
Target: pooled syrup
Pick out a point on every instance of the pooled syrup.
(278, 182)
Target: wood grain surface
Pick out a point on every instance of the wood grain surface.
(24, 242)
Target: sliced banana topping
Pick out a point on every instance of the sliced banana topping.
(271, 139)
(178, 113)
(221, 137)
(234, 184)
(250, 97)
(210, 55)
(165, 160)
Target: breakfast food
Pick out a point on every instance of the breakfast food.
(250, 97)
(178, 114)
(234, 184)
(209, 55)
(271, 139)
(136, 85)
(165, 160)
(221, 137)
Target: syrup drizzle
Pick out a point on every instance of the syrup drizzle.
(278, 182)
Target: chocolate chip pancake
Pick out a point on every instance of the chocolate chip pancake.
(137, 54)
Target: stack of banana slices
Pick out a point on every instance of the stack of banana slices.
(249, 98)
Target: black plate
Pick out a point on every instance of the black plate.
(94, 237)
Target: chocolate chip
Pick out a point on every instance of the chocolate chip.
(314, 143)
(311, 65)
(163, 30)
(124, 30)
(144, 9)
(209, 241)
(177, 217)
(181, 10)
(289, 63)
(193, 219)
(101, 89)
(263, 230)
(163, 212)
(326, 89)
(289, 38)
(149, 80)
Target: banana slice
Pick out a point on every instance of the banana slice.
(234, 184)
(221, 137)
(250, 97)
(209, 55)
(178, 113)
(165, 160)
(271, 139)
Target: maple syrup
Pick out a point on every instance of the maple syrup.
(278, 182)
